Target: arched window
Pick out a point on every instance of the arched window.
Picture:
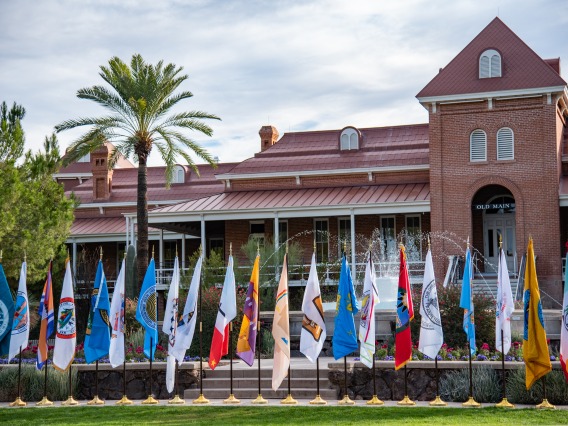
(179, 174)
(478, 146)
(490, 64)
(505, 144)
(349, 139)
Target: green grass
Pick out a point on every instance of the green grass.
(222, 415)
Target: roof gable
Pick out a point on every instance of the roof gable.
(522, 68)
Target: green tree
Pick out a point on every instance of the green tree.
(140, 99)
(11, 133)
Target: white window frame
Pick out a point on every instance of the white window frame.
(179, 174)
(494, 64)
(282, 239)
(418, 235)
(321, 240)
(347, 234)
(349, 139)
(388, 245)
(257, 236)
(85, 158)
(474, 149)
(505, 147)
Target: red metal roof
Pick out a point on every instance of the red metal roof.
(294, 198)
(100, 226)
(319, 150)
(125, 181)
(521, 68)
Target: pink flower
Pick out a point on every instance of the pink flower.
(485, 347)
(139, 350)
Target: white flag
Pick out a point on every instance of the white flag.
(186, 323)
(21, 323)
(116, 316)
(281, 330)
(563, 327)
(170, 325)
(505, 306)
(367, 324)
(313, 324)
(225, 314)
(66, 336)
(431, 334)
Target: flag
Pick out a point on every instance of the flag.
(169, 326)
(367, 324)
(225, 314)
(66, 335)
(97, 336)
(466, 302)
(281, 330)
(247, 335)
(117, 321)
(505, 306)
(431, 334)
(313, 324)
(6, 314)
(187, 320)
(535, 348)
(21, 323)
(147, 310)
(404, 314)
(564, 328)
(46, 317)
(344, 339)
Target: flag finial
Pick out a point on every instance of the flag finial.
(428, 241)
(230, 249)
(101, 253)
(468, 241)
(68, 257)
(0, 255)
(25, 256)
(176, 250)
(257, 247)
(345, 247)
(153, 251)
(500, 241)
(314, 244)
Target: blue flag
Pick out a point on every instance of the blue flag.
(6, 314)
(466, 302)
(97, 336)
(344, 339)
(146, 311)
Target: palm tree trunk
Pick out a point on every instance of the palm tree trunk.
(142, 217)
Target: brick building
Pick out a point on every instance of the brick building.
(489, 164)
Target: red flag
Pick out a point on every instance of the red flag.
(404, 314)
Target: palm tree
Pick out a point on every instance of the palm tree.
(139, 98)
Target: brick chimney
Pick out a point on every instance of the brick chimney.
(102, 176)
(268, 137)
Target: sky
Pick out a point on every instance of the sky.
(296, 65)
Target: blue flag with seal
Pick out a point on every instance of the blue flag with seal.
(6, 314)
(146, 311)
(466, 302)
(344, 339)
(97, 336)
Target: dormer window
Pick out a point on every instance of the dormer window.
(179, 174)
(85, 159)
(490, 64)
(349, 139)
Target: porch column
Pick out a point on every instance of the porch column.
(127, 232)
(182, 251)
(353, 257)
(276, 241)
(132, 235)
(203, 236)
(161, 249)
(74, 258)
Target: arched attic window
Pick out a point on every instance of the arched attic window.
(179, 174)
(490, 64)
(477, 146)
(349, 139)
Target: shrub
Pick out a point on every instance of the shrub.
(556, 388)
(32, 383)
(454, 385)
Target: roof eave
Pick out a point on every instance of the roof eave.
(492, 95)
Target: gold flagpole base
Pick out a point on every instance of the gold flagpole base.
(232, 400)
(70, 401)
(176, 400)
(504, 404)
(289, 400)
(406, 401)
(201, 400)
(150, 400)
(124, 401)
(318, 400)
(44, 402)
(471, 403)
(259, 400)
(375, 401)
(18, 403)
(96, 401)
(438, 402)
(346, 401)
(546, 404)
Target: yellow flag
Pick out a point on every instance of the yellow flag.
(535, 347)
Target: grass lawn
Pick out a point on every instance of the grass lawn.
(246, 415)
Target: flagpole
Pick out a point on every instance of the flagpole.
(471, 402)
(176, 400)
(259, 399)
(346, 400)
(318, 400)
(200, 399)
(438, 402)
(45, 401)
(70, 400)
(231, 399)
(504, 403)
(19, 402)
(545, 403)
(289, 400)
(96, 400)
(151, 399)
(124, 400)
(375, 399)
(406, 400)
